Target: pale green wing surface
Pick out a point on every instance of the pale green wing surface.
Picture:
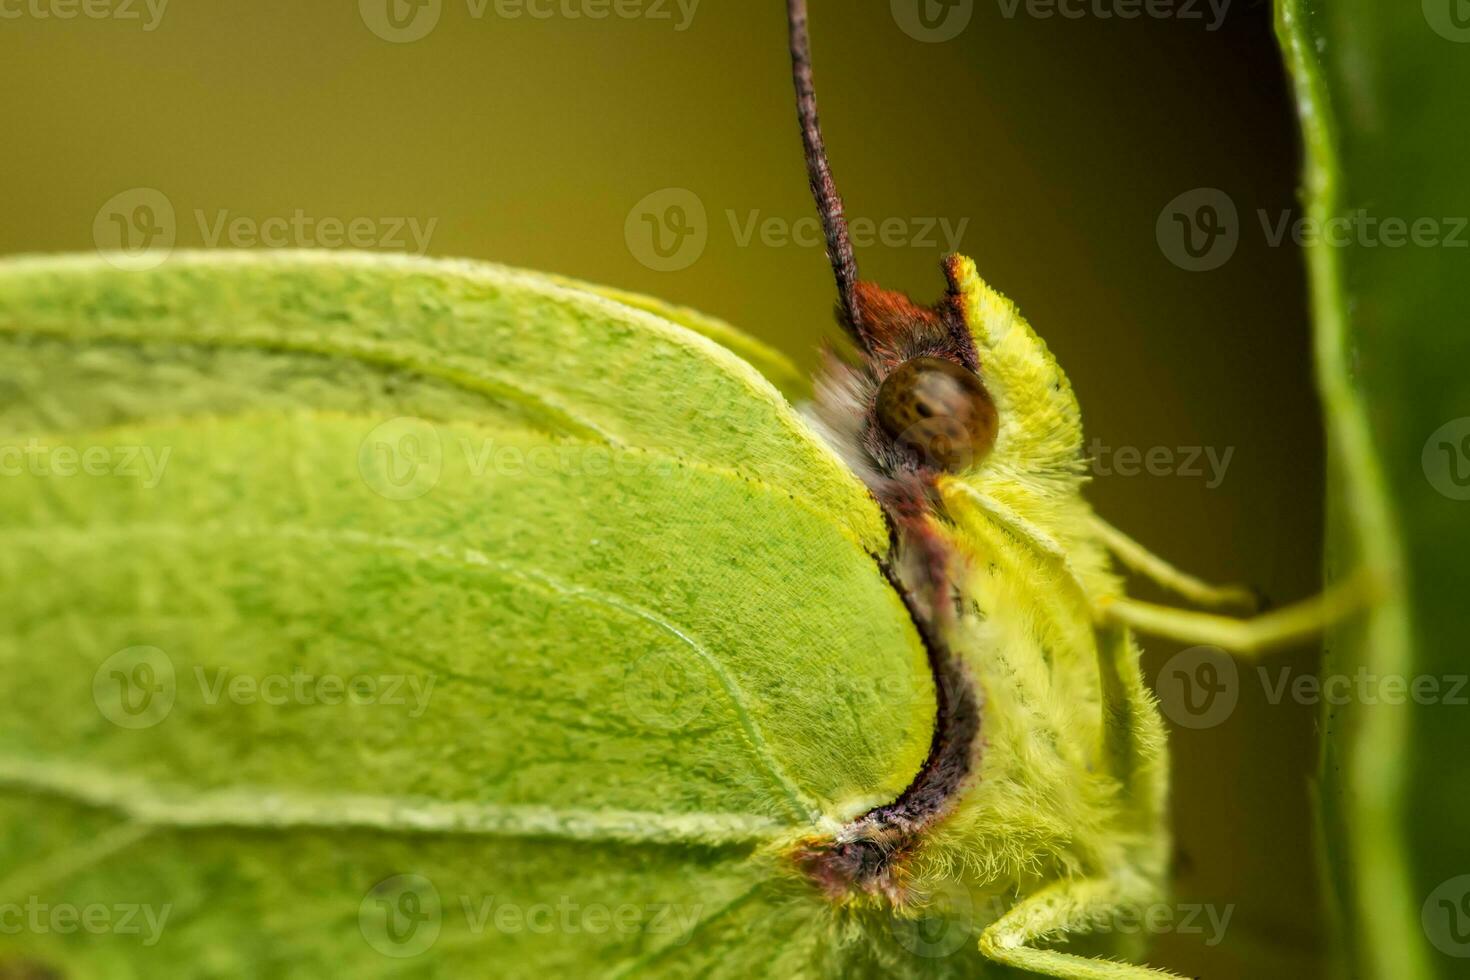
(374, 616)
(777, 367)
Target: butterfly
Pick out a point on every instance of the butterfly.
(466, 618)
(1045, 784)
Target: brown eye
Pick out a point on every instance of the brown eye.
(940, 410)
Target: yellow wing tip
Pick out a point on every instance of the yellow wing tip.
(977, 298)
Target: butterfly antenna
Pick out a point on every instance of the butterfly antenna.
(819, 174)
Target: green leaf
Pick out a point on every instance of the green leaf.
(1382, 90)
(378, 616)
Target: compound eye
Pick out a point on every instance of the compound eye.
(940, 410)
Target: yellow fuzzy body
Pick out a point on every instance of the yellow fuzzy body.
(1069, 781)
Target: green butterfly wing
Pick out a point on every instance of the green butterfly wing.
(373, 616)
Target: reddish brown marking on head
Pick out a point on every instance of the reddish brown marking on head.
(897, 328)
(893, 321)
(928, 410)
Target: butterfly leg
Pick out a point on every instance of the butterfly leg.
(1075, 906)
(1134, 749)
(1133, 738)
(1139, 559)
(1258, 634)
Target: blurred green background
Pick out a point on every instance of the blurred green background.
(1062, 143)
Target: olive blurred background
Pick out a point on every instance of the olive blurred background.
(655, 149)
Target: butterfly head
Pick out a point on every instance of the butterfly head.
(944, 391)
(953, 390)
